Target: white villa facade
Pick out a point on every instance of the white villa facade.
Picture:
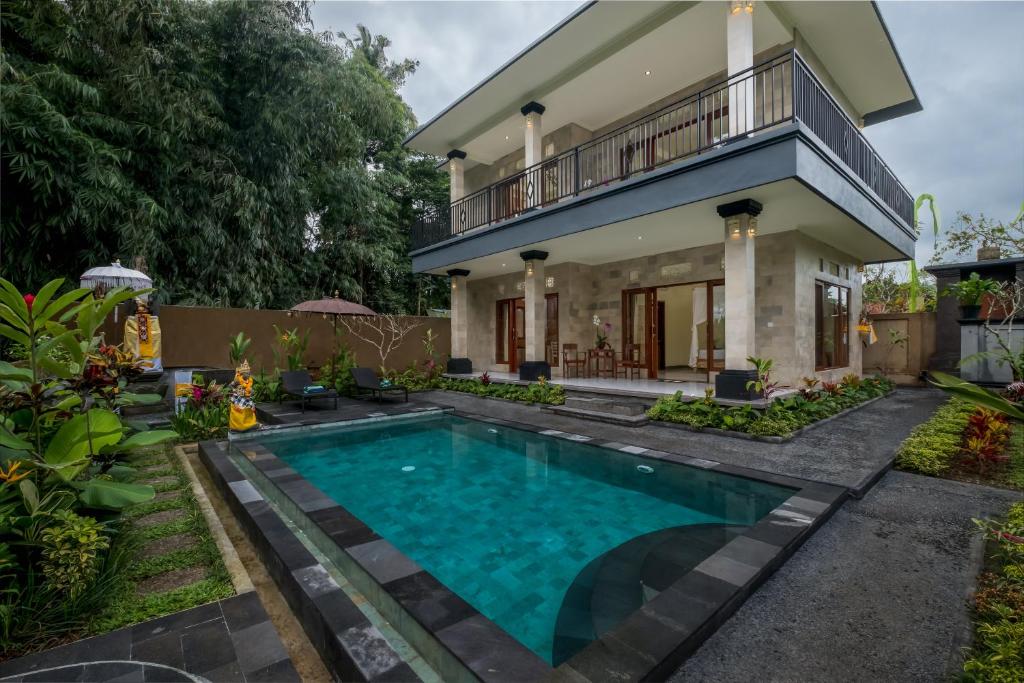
(690, 176)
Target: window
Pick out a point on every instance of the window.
(831, 326)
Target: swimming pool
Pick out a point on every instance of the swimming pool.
(554, 540)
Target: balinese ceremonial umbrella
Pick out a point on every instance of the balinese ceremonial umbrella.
(333, 307)
(114, 275)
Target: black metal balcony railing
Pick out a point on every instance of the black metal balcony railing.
(780, 90)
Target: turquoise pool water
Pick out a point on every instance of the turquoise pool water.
(553, 540)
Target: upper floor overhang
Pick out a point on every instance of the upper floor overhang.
(607, 59)
(800, 182)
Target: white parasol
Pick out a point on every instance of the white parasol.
(115, 275)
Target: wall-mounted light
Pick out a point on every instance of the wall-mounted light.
(529, 268)
(639, 237)
(752, 228)
(506, 138)
(647, 73)
(549, 282)
(737, 6)
(733, 227)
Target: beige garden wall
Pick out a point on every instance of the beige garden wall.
(199, 336)
(902, 362)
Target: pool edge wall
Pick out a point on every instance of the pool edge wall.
(648, 645)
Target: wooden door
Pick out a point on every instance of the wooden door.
(517, 341)
(640, 325)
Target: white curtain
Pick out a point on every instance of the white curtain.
(700, 315)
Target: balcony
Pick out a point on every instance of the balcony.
(768, 95)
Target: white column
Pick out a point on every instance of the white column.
(536, 306)
(534, 151)
(739, 37)
(740, 233)
(460, 314)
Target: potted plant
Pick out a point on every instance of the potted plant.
(970, 292)
(601, 341)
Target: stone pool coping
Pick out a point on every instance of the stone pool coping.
(650, 643)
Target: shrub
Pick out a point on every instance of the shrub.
(71, 551)
(998, 652)
(932, 446)
(782, 418)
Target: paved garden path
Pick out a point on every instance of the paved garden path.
(846, 451)
(879, 593)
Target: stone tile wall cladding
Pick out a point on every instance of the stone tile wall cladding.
(787, 265)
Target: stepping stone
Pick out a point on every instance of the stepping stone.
(162, 546)
(166, 495)
(168, 581)
(159, 467)
(160, 518)
(160, 481)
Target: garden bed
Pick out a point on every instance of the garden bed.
(997, 653)
(956, 444)
(784, 419)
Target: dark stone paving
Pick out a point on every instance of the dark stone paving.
(229, 640)
(846, 451)
(348, 409)
(879, 593)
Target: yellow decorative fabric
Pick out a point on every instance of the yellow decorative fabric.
(243, 411)
(241, 419)
(142, 338)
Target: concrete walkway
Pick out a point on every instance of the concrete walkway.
(847, 451)
(877, 594)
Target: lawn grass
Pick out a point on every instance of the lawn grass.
(125, 606)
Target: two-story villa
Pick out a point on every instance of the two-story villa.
(686, 179)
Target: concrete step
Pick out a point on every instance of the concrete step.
(605, 405)
(600, 416)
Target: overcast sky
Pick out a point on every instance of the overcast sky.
(966, 60)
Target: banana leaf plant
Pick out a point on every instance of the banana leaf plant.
(979, 396)
(58, 414)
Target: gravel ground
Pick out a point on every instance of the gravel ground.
(877, 594)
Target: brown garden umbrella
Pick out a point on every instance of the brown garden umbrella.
(333, 307)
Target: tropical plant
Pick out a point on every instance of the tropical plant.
(71, 551)
(969, 292)
(237, 349)
(292, 346)
(978, 396)
(763, 385)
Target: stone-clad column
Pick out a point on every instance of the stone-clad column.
(534, 151)
(740, 233)
(739, 40)
(460, 363)
(456, 189)
(536, 316)
(456, 174)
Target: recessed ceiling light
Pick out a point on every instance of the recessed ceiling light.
(647, 73)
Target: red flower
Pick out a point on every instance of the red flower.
(29, 298)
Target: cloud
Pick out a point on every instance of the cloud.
(966, 60)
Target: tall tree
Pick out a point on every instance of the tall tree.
(249, 160)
